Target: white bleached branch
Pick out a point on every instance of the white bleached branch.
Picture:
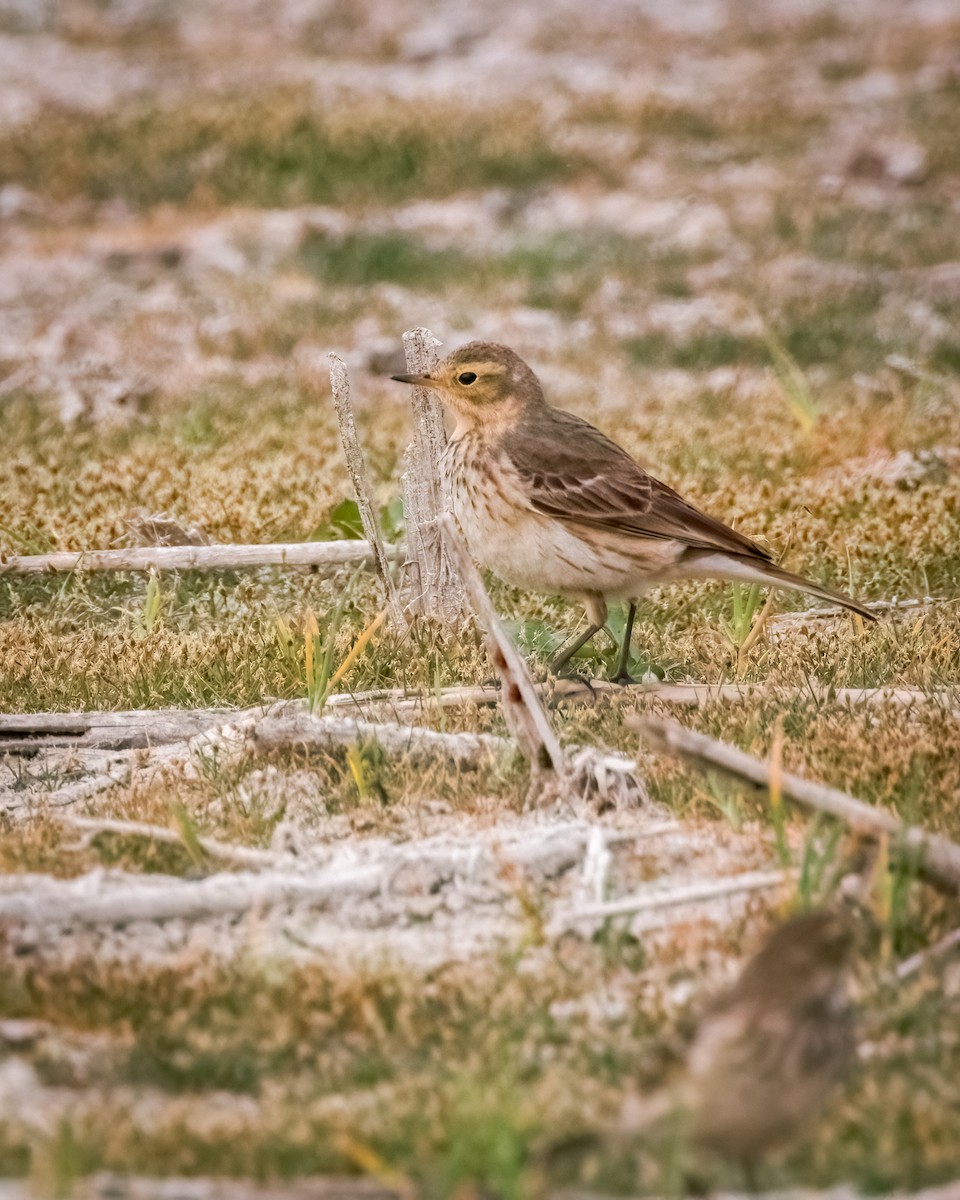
(937, 858)
(195, 558)
(434, 591)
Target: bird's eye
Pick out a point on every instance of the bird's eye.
(466, 378)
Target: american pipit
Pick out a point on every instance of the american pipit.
(765, 1058)
(550, 504)
(770, 1051)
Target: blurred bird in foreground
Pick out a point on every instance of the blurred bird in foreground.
(766, 1056)
(550, 504)
(770, 1051)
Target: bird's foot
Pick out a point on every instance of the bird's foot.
(624, 678)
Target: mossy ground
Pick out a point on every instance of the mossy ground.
(751, 295)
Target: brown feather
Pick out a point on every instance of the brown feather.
(591, 481)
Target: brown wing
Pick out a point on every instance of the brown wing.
(573, 472)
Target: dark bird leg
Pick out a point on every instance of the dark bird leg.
(564, 657)
(622, 675)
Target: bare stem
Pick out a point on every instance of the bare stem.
(434, 589)
(522, 710)
(353, 454)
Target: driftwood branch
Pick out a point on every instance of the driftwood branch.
(434, 589)
(522, 710)
(26, 733)
(701, 694)
(916, 962)
(195, 558)
(304, 731)
(91, 827)
(654, 898)
(134, 729)
(22, 803)
(560, 691)
(353, 454)
(881, 607)
(97, 898)
(590, 772)
(937, 858)
(224, 738)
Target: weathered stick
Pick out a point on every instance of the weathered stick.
(700, 694)
(24, 733)
(522, 710)
(131, 730)
(309, 732)
(433, 588)
(195, 558)
(692, 694)
(937, 858)
(654, 898)
(916, 962)
(353, 454)
(877, 606)
(21, 804)
(96, 898)
(90, 827)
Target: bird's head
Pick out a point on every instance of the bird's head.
(808, 953)
(482, 382)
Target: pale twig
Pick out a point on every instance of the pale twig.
(655, 898)
(91, 827)
(217, 737)
(106, 1186)
(125, 730)
(22, 733)
(910, 604)
(404, 700)
(700, 694)
(195, 558)
(936, 858)
(522, 711)
(435, 864)
(692, 694)
(21, 804)
(916, 962)
(304, 731)
(353, 454)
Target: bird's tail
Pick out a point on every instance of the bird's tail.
(747, 569)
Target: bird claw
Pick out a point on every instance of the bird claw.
(624, 678)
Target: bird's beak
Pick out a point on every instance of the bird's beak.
(418, 380)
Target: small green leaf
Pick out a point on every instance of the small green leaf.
(343, 522)
(392, 522)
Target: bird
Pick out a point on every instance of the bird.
(764, 1060)
(768, 1053)
(549, 503)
